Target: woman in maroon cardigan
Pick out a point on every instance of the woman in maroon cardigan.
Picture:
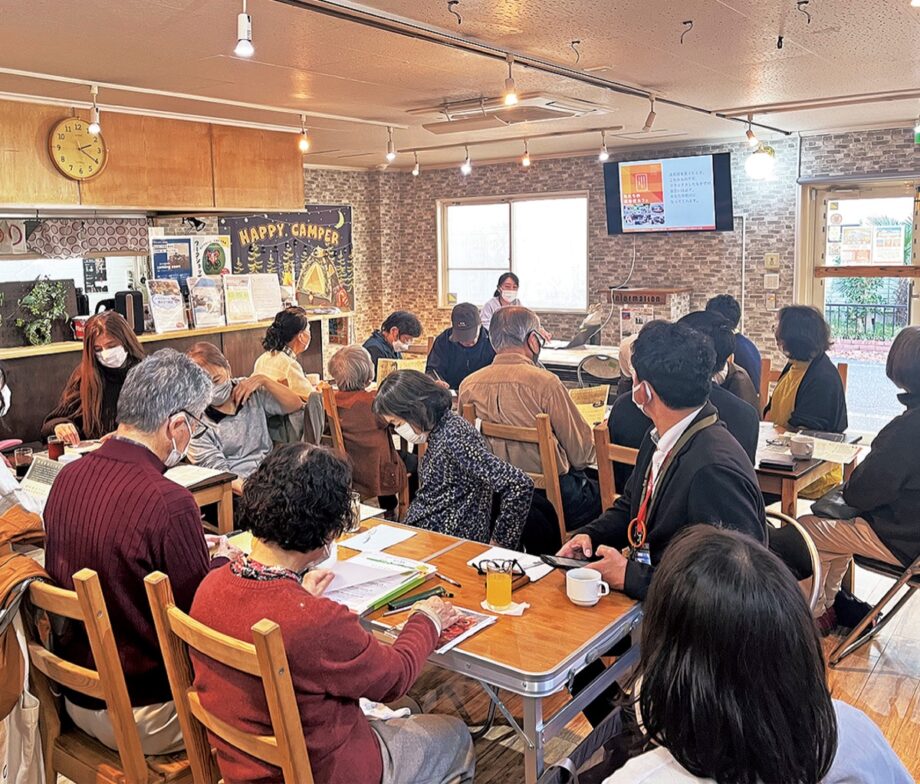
(377, 467)
(296, 503)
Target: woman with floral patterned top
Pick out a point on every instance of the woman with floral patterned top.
(458, 473)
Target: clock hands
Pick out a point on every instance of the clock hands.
(83, 150)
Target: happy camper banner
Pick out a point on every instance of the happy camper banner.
(310, 251)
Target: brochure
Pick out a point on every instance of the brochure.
(206, 297)
(166, 305)
(238, 299)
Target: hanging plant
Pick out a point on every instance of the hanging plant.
(40, 308)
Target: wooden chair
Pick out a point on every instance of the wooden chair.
(332, 417)
(541, 435)
(71, 752)
(264, 659)
(607, 455)
(768, 376)
(430, 343)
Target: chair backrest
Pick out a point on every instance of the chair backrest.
(600, 367)
(430, 343)
(540, 435)
(86, 605)
(816, 580)
(769, 376)
(264, 659)
(332, 417)
(607, 455)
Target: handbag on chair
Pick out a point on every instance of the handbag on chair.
(831, 506)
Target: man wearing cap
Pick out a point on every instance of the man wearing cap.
(462, 349)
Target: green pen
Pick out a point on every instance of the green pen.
(408, 601)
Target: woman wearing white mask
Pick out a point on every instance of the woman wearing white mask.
(237, 438)
(89, 403)
(506, 293)
(458, 473)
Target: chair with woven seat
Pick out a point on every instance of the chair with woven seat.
(264, 658)
(541, 435)
(866, 629)
(768, 377)
(71, 752)
(607, 455)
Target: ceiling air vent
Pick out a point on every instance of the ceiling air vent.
(481, 114)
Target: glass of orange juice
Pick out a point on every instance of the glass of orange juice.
(498, 584)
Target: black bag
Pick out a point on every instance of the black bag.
(831, 506)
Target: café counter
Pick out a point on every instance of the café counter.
(37, 374)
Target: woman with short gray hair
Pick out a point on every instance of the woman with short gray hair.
(378, 470)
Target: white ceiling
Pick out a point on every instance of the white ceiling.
(307, 61)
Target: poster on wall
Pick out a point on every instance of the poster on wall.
(212, 254)
(310, 251)
(171, 258)
(856, 245)
(95, 276)
(888, 245)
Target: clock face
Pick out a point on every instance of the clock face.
(75, 151)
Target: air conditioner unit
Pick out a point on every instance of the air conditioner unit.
(480, 114)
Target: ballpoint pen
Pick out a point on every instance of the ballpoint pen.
(447, 579)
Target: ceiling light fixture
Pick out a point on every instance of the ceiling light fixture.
(510, 94)
(244, 47)
(603, 155)
(650, 120)
(751, 136)
(304, 142)
(525, 158)
(416, 169)
(467, 166)
(761, 162)
(391, 148)
(94, 125)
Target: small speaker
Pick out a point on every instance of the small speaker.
(131, 305)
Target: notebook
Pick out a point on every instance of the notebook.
(40, 476)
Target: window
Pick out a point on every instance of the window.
(544, 240)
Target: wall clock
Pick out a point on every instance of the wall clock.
(77, 153)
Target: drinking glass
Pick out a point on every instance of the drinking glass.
(498, 584)
(22, 459)
(355, 514)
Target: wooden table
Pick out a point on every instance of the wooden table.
(526, 655)
(217, 490)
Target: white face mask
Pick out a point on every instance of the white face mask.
(405, 430)
(640, 406)
(509, 295)
(7, 396)
(399, 346)
(113, 357)
(175, 456)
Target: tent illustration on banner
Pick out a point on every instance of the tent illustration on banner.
(319, 280)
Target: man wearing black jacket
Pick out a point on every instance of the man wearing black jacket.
(690, 469)
(462, 349)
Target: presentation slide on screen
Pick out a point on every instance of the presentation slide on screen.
(672, 194)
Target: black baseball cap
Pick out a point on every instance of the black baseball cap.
(464, 319)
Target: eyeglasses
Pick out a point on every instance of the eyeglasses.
(202, 427)
(516, 569)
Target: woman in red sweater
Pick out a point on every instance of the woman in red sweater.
(296, 503)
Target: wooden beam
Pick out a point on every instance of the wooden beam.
(868, 271)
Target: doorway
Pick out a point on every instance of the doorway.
(864, 279)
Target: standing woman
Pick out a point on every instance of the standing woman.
(458, 474)
(89, 403)
(809, 394)
(506, 293)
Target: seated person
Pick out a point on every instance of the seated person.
(809, 394)
(286, 338)
(89, 402)
(461, 349)
(394, 337)
(513, 390)
(236, 438)
(377, 469)
(690, 468)
(624, 358)
(732, 680)
(295, 504)
(884, 488)
(113, 511)
(458, 474)
(747, 355)
(628, 425)
(731, 377)
(506, 294)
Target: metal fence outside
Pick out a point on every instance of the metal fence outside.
(865, 322)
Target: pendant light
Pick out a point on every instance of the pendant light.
(94, 125)
(304, 142)
(603, 155)
(510, 95)
(244, 47)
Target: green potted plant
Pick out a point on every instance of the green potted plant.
(40, 308)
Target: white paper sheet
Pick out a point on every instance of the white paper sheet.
(378, 538)
(349, 574)
(367, 512)
(266, 295)
(188, 475)
(531, 564)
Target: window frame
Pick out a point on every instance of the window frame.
(442, 228)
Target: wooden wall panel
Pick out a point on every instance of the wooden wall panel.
(27, 176)
(153, 163)
(256, 169)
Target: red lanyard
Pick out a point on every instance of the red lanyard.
(637, 531)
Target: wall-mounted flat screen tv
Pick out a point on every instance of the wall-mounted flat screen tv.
(669, 194)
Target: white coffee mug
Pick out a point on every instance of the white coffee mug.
(801, 447)
(585, 587)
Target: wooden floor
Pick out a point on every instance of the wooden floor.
(882, 679)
